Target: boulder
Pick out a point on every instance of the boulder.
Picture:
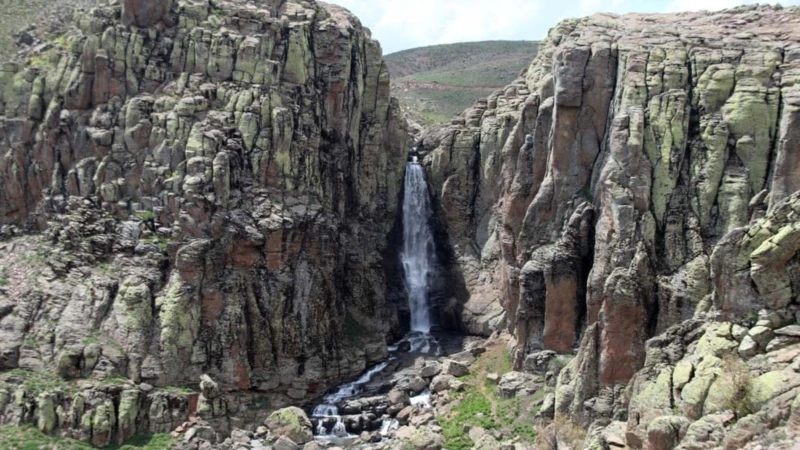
(748, 347)
(762, 335)
(454, 368)
(514, 384)
(291, 422)
(208, 387)
(398, 397)
(285, 443)
(430, 369)
(538, 362)
(441, 383)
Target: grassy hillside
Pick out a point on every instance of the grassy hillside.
(47, 16)
(438, 82)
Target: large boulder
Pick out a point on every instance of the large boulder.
(291, 422)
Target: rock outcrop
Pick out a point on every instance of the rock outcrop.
(197, 187)
(642, 172)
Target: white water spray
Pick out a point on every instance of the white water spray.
(418, 246)
(328, 408)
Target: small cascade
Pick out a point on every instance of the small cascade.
(328, 409)
(422, 400)
(418, 256)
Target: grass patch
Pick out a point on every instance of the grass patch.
(39, 382)
(480, 405)
(147, 442)
(28, 437)
(177, 390)
(473, 409)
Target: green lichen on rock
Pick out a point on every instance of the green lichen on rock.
(291, 422)
(46, 413)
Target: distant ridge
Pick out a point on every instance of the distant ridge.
(436, 82)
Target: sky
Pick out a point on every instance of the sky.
(403, 24)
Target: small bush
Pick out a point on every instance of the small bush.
(738, 386)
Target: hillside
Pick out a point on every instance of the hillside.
(440, 81)
(38, 17)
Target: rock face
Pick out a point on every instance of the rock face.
(208, 195)
(641, 172)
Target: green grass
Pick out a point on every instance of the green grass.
(488, 63)
(473, 409)
(27, 437)
(147, 442)
(177, 390)
(435, 83)
(38, 382)
(480, 405)
(439, 105)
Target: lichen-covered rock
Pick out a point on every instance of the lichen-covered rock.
(636, 176)
(191, 179)
(292, 423)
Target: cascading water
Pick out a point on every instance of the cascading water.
(419, 261)
(419, 254)
(328, 408)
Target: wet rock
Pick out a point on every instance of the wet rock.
(397, 397)
(414, 384)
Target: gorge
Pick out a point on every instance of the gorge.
(213, 213)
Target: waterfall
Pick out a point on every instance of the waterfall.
(418, 247)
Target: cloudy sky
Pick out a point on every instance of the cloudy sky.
(402, 24)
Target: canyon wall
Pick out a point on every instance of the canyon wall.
(638, 175)
(198, 187)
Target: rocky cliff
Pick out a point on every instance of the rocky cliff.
(197, 187)
(640, 174)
